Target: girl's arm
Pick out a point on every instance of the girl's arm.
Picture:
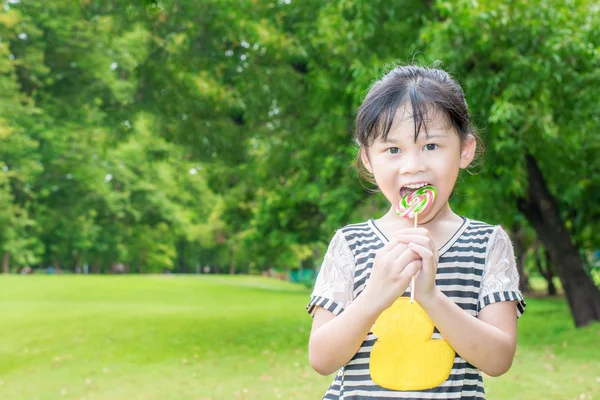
(488, 342)
(335, 340)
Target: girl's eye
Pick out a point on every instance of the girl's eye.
(431, 146)
(393, 150)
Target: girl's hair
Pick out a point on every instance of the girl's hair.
(422, 89)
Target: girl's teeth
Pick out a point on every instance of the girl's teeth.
(417, 186)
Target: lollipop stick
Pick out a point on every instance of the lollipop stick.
(412, 280)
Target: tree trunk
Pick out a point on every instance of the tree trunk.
(547, 271)
(5, 262)
(550, 275)
(520, 252)
(542, 212)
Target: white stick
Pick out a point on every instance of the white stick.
(412, 280)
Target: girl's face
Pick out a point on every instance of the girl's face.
(435, 159)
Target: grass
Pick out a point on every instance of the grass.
(220, 337)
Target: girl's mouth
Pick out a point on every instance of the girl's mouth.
(407, 189)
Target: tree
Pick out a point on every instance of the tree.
(86, 178)
(529, 73)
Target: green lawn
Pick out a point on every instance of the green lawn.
(219, 337)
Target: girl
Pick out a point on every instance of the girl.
(414, 129)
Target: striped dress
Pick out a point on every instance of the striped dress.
(476, 268)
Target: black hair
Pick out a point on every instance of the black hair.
(420, 88)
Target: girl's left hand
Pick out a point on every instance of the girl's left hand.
(419, 240)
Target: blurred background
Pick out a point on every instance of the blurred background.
(171, 173)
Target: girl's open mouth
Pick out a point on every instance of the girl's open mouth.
(407, 189)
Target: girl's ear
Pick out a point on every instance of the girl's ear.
(468, 151)
(365, 159)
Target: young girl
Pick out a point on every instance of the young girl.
(414, 129)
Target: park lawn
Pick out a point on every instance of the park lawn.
(220, 337)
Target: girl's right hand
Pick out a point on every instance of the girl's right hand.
(394, 266)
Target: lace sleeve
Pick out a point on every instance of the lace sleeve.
(500, 280)
(333, 287)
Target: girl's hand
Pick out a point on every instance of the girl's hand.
(419, 241)
(394, 266)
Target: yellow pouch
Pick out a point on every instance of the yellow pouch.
(404, 356)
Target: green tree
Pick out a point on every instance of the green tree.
(529, 73)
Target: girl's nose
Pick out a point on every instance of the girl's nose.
(411, 163)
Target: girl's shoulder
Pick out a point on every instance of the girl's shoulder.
(488, 235)
(494, 231)
(358, 233)
(357, 229)
(476, 227)
(473, 233)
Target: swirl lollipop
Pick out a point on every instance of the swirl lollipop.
(416, 202)
(411, 206)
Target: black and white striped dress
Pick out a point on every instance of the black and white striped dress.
(476, 268)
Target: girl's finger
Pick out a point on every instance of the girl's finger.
(413, 231)
(383, 251)
(397, 250)
(425, 254)
(422, 240)
(389, 245)
(411, 269)
(406, 257)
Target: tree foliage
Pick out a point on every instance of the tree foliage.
(171, 134)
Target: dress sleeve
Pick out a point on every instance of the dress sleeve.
(333, 287)
(500, 280)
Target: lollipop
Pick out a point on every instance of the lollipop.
(416, 202)
(409, 207)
